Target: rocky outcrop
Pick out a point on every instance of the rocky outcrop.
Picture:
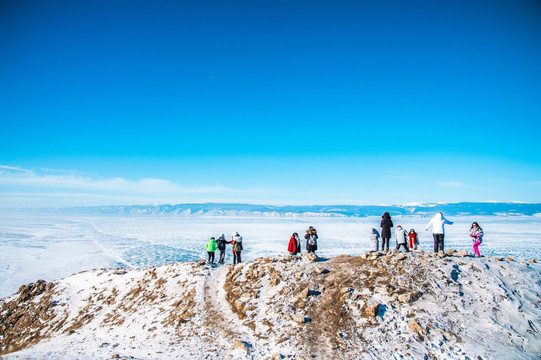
(378, 305)
(24, 319)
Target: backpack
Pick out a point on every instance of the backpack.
(237, 246)
(312, 240)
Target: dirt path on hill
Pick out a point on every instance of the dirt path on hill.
(220, 321)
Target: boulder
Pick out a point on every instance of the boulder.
(415, 327)
(241, 345)
(450, 252)
(461, 253)
(371, 311)
(409, 297)
(400, 256)
(310, 257)
(319, 271)
(299, 319)
(346, 290)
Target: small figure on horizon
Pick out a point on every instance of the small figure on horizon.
(222, 243)
(438, 230)
(311, 240)
(401, 238)
(476, 234)
(413, 239)
(374, 240)
(385, 225)
(211, 248)
(236, 241)
(294, 246)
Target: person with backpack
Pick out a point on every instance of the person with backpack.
(236, 241)
(386, 224)
(294, 246)
(374, 240)
(413, 239)
(211, 248)
(476, 233)
(311, 240)
(401, 238)
(438, 230)
(222, 243)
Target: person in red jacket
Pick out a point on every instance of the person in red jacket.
(413, 239)
(294, 246)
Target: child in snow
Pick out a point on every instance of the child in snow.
(374, 240)
(476, 233)
(413, 239)
(221, 246)
(294, 246)
(401, 238)
(211, 248)
(236, 241)
(311, 240)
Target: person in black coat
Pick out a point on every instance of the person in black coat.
(386, 225)
(221, 246)
(311, 240)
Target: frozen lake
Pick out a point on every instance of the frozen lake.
(53, 246)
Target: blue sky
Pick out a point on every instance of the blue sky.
(275, 102)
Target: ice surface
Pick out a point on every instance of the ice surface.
(53, 246)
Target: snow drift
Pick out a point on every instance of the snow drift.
(373, 306)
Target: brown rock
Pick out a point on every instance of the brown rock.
(371, 310)
(409, 297)
(241, 345)
(346, 290)
(415, 327)
(274, 280)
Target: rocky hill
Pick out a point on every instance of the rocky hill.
(375, 306)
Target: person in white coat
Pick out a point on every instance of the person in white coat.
(438, 230)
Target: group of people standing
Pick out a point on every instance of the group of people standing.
(407, 240)
(437, 223)
(402, 236)
(294, 246)
(221, 244)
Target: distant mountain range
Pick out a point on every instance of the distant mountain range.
(224, 209)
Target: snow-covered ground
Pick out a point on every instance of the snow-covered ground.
(53, 246)
(373, 306)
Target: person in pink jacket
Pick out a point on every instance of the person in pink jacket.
(476, 233)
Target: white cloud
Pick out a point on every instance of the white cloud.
(66, 188)
(16, 176)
